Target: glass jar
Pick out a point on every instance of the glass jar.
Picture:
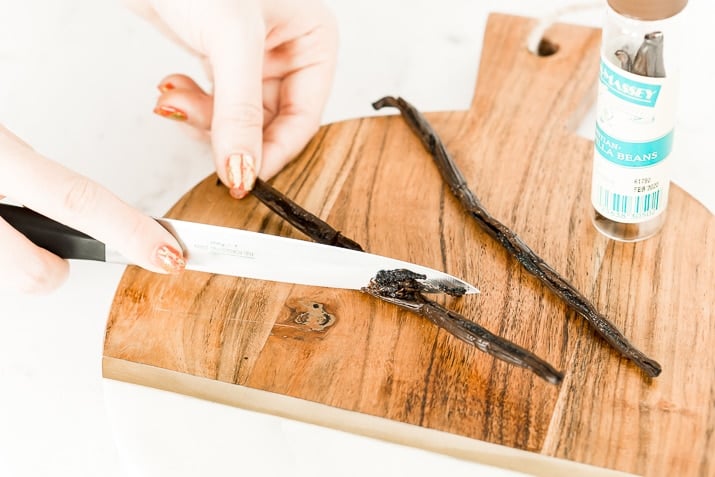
(635, 117)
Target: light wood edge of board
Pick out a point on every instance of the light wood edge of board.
(265, 402)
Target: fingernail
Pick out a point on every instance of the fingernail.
(241, 170)
(164, 87)
(170, 259)
(171, 113)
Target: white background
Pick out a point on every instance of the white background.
(77, 81)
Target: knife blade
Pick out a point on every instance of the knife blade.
(236, 252)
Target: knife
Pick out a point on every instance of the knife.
(236, 252)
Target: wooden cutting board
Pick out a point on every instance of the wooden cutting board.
(344, 360)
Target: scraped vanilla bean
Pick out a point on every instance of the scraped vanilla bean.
(392, 281)
(510, 241)
(403, 288)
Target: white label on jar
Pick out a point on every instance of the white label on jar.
(633, 144)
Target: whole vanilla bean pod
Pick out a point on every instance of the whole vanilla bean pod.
(401, 288)
(510, 241)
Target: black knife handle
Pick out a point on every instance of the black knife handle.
(63, 241)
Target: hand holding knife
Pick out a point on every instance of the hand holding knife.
(228, 251)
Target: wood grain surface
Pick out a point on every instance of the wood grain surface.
(282, 349)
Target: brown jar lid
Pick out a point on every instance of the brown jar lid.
(648, 9)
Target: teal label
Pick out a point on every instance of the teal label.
(642, 94)
(633, 154)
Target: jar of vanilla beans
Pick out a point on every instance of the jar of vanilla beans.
(635, 116)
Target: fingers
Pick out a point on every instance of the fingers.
(183, 100)
(290, 119)
(271, 64)
(179, 81)
(235, 117)
(69, 198)
(236, 54)
(302, 99)
(306, 66)
(26, 267)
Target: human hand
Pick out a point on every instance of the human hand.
(69, 198)
(271, 62)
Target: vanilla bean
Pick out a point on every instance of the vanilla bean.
(401, 288)
(510, 241)
(311, 225)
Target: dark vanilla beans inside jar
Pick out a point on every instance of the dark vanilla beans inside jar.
(635, 118)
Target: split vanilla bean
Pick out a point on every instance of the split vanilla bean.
(510, 241)
(402, 288)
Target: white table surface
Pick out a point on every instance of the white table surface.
(77, 81)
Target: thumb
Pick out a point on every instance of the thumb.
(236, 56)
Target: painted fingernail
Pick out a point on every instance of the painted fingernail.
(170, 259)
(241, 170)
(171, 112)
(164, 87)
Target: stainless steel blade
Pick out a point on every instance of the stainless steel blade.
(229, 251)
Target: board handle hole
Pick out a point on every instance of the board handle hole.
(547, 47)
